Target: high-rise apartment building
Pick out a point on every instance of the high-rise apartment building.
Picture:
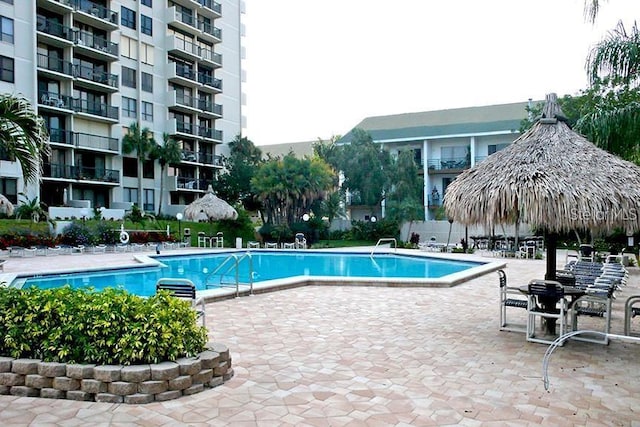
(91, 68)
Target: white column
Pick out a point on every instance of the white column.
(472, 150)
(425, 171)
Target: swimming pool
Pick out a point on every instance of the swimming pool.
(268, 266)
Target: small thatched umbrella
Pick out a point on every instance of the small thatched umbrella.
(209, 207)
(6, 206)
(553, 179)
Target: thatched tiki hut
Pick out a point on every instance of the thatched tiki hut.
(209, 207)
(553, 179)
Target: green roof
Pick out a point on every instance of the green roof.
(442, 123)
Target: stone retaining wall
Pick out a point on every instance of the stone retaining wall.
(114, 383)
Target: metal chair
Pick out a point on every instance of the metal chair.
(184, 288)
(630, 311)
(593, 305)
(546, 300)
(507, 301)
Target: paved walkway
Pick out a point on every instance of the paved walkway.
(372, 356)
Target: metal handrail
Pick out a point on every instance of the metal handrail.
(236, 265)
(385, 239)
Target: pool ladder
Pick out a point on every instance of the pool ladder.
(232, 263)
(387, 240)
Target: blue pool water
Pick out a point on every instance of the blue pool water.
(266, 266)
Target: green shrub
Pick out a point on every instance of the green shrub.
(107, 327)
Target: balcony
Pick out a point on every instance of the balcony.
(55, 33)
(96, 109)
(96, 142)
(209, 108)
(186, 183)
(210, 57)
(184, 48)
(96, 46)
(212, 6)
(57, 66)
(183, 75)
(210, 133)
(181, 102)
(210, 159)
(453, 165)
(60, 136)
(55, 101)
(186, 129)
(181, 20)
(214, 34)
(95, 78)
(81, 173)
(58, 6)
(188, 156)
(95, 15)
(210, 82)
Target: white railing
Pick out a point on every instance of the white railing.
(387, 240)
(235, 266)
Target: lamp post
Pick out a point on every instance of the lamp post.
(179, 218)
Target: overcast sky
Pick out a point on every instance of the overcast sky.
(316, 68)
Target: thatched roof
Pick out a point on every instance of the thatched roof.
(209, 207)
(550, 178)
(5, 205)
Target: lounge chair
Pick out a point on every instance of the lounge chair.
(184, 288)
(300, 242)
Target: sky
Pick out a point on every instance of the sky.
(316, 68)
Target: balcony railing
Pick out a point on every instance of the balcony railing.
(189, 156)
(210, 4)
(186, 100)
(83, 173)
(208, 28)
(96, 108)
(98, 76)
(84, 38)
(186, 46)
(61, 136)
(96, 10)
(55, 64)
(185, 18)
(210, 159)
(98, 142)
(217, 135)
(191, 183)
(185, 127)
(54, 28)
(449, 164)
(186, 72)
(53, 99)
(209, 80)
(208, 105)
(210, 55)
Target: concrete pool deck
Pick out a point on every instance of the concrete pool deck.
(375, 356)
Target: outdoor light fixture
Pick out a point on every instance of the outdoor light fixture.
(179, 218)
(373, 218)
(306, 217)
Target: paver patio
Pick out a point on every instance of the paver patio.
(377, 356)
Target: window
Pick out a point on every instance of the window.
(458, 152)
(146, 53)
(146, 25)
(130, 169)
(11, 1)
(128, 47)
(130, 195)
(496, 147)
(129, 107)
(148, 200)
(146, 3)
(147, 169)
(6, 69)
(147, 82)
(6, 30)
(127, 18)
(128, 77)
(9, 187)
(146, 109)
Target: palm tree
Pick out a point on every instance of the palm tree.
(141, 141)
(23, 135)
(168, 153)
(613, 68)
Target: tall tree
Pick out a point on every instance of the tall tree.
(167, 154)
(23, 135)
(404, 199)
(141, 141)
(364, 165)
(241, 165)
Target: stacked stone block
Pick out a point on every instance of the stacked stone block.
(113, 383)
